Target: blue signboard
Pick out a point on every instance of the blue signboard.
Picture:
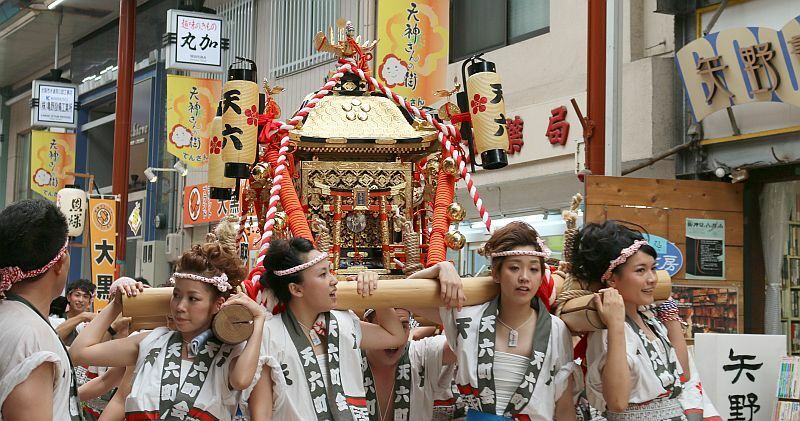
(670, 257)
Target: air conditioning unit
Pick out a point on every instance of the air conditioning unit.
(151, 263)
(174, 247)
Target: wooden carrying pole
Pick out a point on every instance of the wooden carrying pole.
(151, 307)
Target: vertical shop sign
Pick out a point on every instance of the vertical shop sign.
(740, 372)
(103, 234)
(705, 249)
(195, 41)
(52, 157)
(191, 106)
(413, 48)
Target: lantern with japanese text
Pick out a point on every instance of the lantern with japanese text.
(483, 99)
(220, 186)
(73, 203)
(240, 119)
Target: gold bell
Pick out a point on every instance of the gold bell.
(280, 221)
(456, 212)
(455, 240)
(259, 169)
(449, 166)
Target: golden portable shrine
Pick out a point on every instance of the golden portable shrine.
(358, 169)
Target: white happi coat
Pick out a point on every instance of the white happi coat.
(291, 395)
(646, 386)
(429, 393)
(463, 329)
(216, 399)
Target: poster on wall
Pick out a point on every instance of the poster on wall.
(52, 157)
(740, 373)
(54, 104)
(102, 247)
(191, 106)
(705, 249)
(707, 310)
(412, 54)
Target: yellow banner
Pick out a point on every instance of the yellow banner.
(191, 105)
(102, 247)
(741, 65)
(52, 157)
(412, 52)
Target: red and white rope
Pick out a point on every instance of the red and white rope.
(446, 132)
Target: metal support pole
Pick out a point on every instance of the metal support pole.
(58, 38)
(613, 140)
(122, 125)
(596, 87)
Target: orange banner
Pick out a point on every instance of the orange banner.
(191, 105)
(102, 247)
(199, 208)
(52, 157)
(413, 49)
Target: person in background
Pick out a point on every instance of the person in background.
(413, 382)
(36, 372)
(79, 296)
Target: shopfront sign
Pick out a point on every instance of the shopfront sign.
(740, 373)
(741, 65)
(191, 106)
(413, 48)
(199, 208)
(195, 41)
(669, 258)
(102, 251)
(54, 104)
(135, 218)
(52, 158)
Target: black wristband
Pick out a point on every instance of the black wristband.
(111, 331)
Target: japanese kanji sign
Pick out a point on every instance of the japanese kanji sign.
(191, 106)
(739, 373)
(102, 246)
(54, 104)
(669, 258)
(196, 41)
(741, 65)
(413, 48)
(52, 157)
(705, 249)
(199, 208)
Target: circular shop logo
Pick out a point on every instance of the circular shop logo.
(102, 215)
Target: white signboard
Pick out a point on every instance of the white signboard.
(195, 41)
(54, 104)
(739, 373)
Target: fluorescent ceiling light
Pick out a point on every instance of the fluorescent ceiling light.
(54, 4)
(17, 24)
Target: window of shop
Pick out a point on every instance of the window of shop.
(293, 25)
(239, 18)
(23, 184)
(489, 25)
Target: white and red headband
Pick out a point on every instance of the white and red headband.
(322, 256)
(13, 274)
(545, 252)
(623, 257)
(219, 282)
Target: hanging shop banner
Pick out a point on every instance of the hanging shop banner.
(52, 157)
(705, 249)
(103, 239)
(741, 65)
(413, 48)
(740, 373)
(135, 218)
(195, 41)
(53, 104)
(670, 257)
(191, 105)
(199, 208)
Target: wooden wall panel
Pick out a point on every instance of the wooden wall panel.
(672, 194)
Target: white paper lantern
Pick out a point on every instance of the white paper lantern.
(73, 203)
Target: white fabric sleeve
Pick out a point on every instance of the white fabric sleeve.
(356, 327)
(565, 363)
(448, 317)
(23, 370)
(596, 356)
